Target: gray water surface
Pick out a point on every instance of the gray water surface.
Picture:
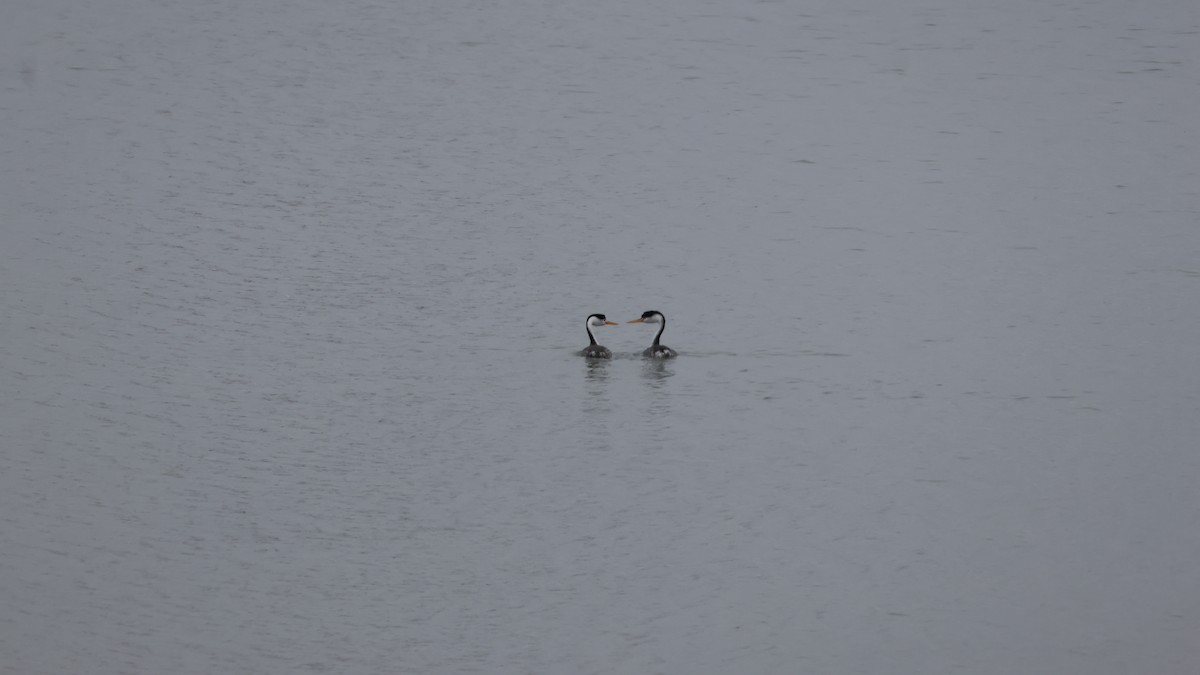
(293, 295)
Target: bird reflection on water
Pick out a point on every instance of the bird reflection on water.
(655, 373)
(611, 386)
(596, 376)
(596, 371)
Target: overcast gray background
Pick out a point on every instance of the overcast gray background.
(292, 293)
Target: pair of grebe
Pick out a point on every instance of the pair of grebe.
(654, 351)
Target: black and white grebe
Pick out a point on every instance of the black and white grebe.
(596, 350)
(655, 350)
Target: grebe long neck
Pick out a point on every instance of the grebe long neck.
(587, 324)
(661, 328)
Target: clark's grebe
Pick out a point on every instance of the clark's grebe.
(655, 350)
(595, 350)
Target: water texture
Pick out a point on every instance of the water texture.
(292, 296)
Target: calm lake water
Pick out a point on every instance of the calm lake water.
(293, 295)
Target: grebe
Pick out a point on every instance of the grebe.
(595, 350)
(656, 351)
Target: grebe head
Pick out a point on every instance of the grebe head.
(649, 317)
(596, 320)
